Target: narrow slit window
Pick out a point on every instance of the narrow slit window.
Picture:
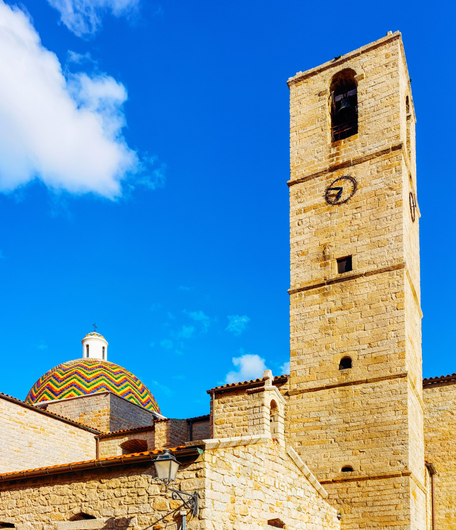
(344, 264)
(87, 350)
(103, 353)
(347, 469)
(345, 363)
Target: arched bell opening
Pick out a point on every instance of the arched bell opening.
(344, 105)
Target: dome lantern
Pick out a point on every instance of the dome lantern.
(94, 346)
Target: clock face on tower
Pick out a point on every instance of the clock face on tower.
(340, 190)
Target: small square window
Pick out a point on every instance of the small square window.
(344, 264)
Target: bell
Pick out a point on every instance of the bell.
(346, 112)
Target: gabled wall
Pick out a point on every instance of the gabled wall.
(31, 439)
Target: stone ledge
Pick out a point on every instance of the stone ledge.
(306, 472)
(229, 442)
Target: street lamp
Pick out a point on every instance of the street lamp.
(166, 467)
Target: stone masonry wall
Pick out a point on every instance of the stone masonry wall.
(249, 485)
(440, 444)
(31, 439)
(241, 487)
(127, 415)
(121, 497)
(112, 446)
(92, 410)
(104, 411)
(201, 430)
(170, 433)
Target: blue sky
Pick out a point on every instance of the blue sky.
(143, 168)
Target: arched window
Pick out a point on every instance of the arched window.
(134, 446)
(344, 105)
(345, 363)
(81, 516)
(347, 469)
(87, 350)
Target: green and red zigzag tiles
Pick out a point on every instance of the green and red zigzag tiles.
(89, 376)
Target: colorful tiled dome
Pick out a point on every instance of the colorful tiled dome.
(89, 376)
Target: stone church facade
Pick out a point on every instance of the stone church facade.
(353, 438)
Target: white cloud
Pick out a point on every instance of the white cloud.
(83, 17)
(237, 324)
(167, 344)
(249, 366)
(285, 368)
(42, 346)
(65, 131)
(200, 317)
(186, 332)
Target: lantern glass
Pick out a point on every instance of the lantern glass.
(166, 466)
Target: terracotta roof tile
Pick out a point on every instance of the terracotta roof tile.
(439, 381)
(252, 382)
(199, 418)
(89, 464)
(126, 431)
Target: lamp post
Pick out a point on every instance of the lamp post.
(166, 467)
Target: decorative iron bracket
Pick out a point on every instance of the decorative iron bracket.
(190, 501)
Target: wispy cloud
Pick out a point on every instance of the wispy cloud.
(285, 368)
(84, 17)
(168, 344)
(184, 288)
(155, 306)
(152, 344)
(64, 129)
(171, 316)
(42, 346)
(2, 256)
(237, 324)
(201, 318)
(186, 332)
(248, 366)
(163, 388)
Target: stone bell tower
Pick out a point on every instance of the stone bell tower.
(355, 409)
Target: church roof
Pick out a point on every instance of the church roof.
(90, 376)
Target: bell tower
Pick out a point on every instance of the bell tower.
(355, 409)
